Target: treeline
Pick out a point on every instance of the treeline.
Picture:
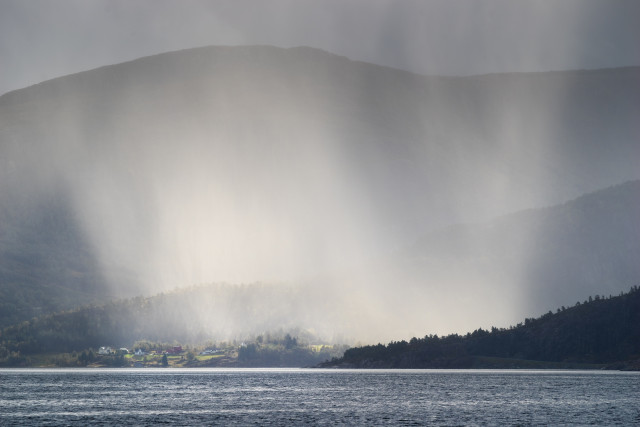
(285, 352)
(601, 330)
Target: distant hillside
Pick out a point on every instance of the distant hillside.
(603, 331)
(244, 164)
(46, 263)
(249, 325)
(587, 245)
(514, 266)
(190, 316)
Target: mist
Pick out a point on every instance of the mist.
(311, 172)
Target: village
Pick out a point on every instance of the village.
(275, 353)
(171, 356)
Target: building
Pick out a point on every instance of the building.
(105, 350)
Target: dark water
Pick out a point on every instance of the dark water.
(295, 397)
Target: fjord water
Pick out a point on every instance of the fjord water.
(294, 396)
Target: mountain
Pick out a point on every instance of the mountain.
(600, 332)
(256, 163)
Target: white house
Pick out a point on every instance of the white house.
(105, 350)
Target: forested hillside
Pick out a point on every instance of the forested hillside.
(600, 331)
(46, 263)
(191, 316)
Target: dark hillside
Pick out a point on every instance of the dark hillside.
(189, 316)
(45, 260)
(602, 331)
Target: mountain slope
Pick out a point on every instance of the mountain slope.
(260, 163)
(590, 244)
(45, 260)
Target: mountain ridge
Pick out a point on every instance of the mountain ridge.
(326, 52)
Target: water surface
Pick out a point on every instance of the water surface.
(310, 396)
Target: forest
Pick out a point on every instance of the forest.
(601, 332)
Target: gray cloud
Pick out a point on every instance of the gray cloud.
(40, 40)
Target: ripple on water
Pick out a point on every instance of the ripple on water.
(319, 397)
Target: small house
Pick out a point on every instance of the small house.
(105, 350)
(175, 350)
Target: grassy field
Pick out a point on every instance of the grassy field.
(204, 358)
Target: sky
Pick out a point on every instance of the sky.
(42, 39)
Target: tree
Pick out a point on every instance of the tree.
(290, 342)
(83, 359)
(165, 360)
(247, 352)
(120, 360)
